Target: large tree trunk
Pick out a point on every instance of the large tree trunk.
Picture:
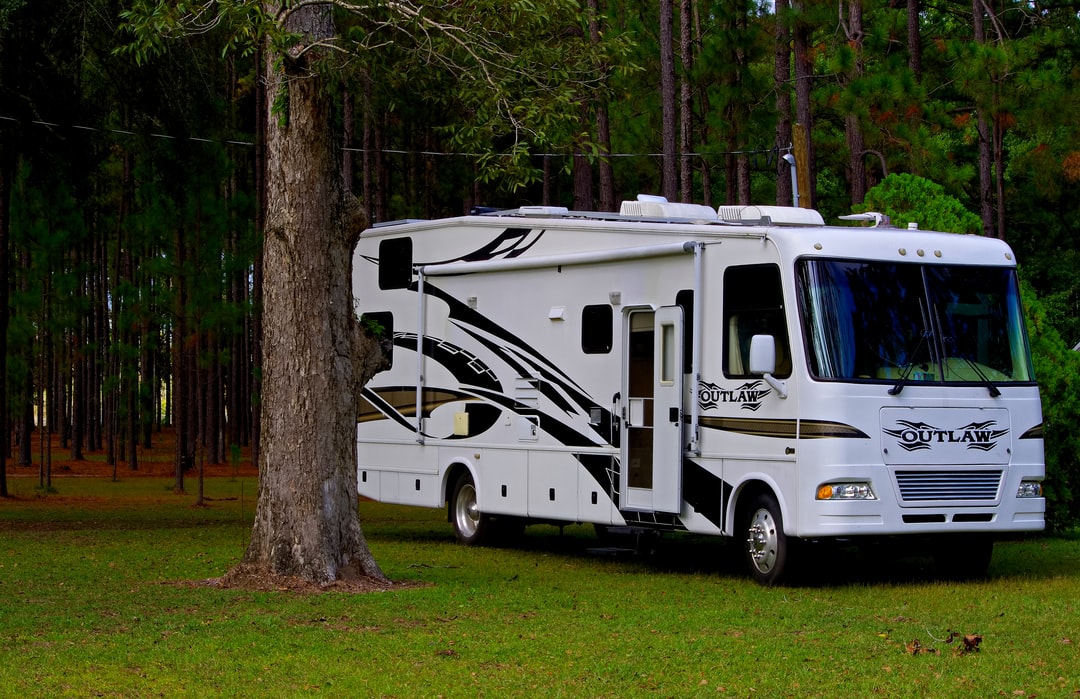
(306, 522)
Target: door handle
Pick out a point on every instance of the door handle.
(673, 415)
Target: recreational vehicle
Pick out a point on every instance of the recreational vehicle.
(747, 372)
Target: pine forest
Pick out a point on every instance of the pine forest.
(132, 181)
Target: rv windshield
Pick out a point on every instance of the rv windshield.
(911, 323)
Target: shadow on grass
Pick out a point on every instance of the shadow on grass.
(823, 564)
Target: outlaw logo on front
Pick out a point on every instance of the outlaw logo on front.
(748, 396)
(917, 436)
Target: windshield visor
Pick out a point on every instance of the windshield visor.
(878, 321)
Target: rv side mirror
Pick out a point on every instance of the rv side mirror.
(762, 354)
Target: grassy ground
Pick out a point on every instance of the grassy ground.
(100, 596)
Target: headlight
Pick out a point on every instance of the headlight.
(845, 491)
(1029, 489)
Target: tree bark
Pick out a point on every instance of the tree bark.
(856, 143)
(803, 112)
(603, 125)
(686, 118)
(583, 184)
(914, 38)
(257, 263)
(986, 204)
(669, 186)
(306, 522)
(782, 80)
(582, 168)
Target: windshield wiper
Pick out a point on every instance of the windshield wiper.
(954, 347)
(990, 386)
(905, 371)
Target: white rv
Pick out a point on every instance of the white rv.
(747, 372)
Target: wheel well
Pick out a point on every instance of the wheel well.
(749, 491)
(452, 475)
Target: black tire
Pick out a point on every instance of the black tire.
(472, 527)
(769, 552)
(963, 557)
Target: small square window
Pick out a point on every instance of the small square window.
(597, 329)
(395, 263)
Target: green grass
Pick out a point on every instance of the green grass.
(90, 605)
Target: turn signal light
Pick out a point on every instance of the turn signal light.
(845, 491)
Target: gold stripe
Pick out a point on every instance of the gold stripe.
(783, 428)
(824, 429)
(758, 427)
(1035, 432)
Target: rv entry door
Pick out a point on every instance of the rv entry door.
(652, 449)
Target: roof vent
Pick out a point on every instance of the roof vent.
(650, 206)
(771, 215)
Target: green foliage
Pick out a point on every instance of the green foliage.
(909, 198)
(150, 24)
(1057, 368)
(7, 9)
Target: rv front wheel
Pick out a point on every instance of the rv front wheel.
(470, 525)
(768, 550)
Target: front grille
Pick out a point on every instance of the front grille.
(921, 486)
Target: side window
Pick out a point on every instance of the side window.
(753, 305)
(685, 299)
(597, 329)
(381, 325)
(395, 263)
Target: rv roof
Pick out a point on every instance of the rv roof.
(658, 209)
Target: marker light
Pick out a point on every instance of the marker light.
(845, 491)
(1029, 489)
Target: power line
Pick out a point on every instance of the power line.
(394, 151)
(125, 132)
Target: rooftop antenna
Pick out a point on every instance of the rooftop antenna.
(878, 219)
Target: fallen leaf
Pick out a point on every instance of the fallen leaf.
(917, 648)
(970, 644)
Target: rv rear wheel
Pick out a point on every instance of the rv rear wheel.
(470, 525)
(768, 549)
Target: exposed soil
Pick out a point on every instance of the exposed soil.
(244, 577)
(158, 461)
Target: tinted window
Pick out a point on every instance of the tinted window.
(395, 263)
(922, 323)
(753, 305)
(596, 329)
